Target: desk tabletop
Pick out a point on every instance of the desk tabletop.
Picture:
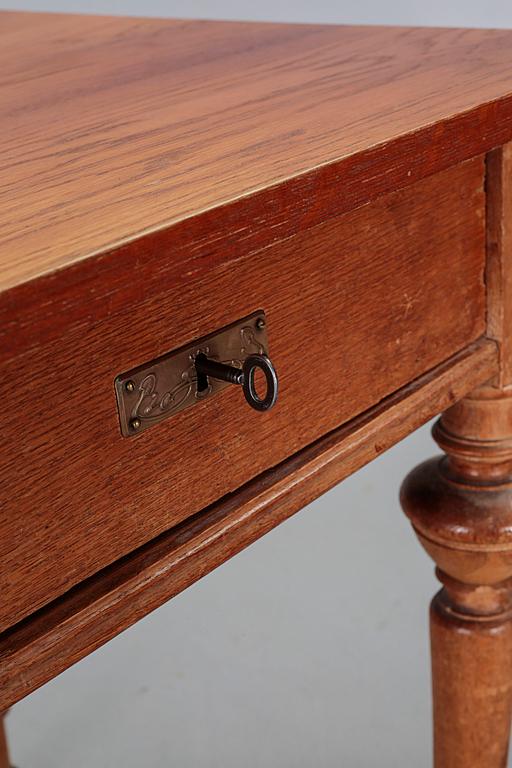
(115, 127)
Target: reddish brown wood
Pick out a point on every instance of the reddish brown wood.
(4, 750)
(356, 308)
(111, 127)
(472, 726)
(163, 179)
(43, 646)
(461, 509)
(499, 255)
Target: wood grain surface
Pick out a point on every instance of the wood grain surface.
(460, 507)
(356, 308)
(86, 617)
(162, 179)
(499, 255)
(115, 127)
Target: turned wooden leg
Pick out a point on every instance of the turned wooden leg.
(4, 752)
(460, 506)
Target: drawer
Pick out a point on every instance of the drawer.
(353, 310)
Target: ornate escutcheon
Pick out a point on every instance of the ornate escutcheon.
(157, 390)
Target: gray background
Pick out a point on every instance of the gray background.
(308, 649)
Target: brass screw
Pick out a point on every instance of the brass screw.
(129, 386)
(135, 424)
(260, 323)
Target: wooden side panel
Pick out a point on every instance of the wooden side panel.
(356, 308)
(499, 255)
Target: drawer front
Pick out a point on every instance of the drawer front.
(355, 307)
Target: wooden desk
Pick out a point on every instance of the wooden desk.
(162, 180)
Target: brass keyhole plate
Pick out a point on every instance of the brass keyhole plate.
(162, 388)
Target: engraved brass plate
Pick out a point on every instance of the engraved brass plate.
(157, 390)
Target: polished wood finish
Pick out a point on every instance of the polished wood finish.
(111, 128)
(461, 510)
(166, 178)
(89, 615)
(351, 316)
(499, 255)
